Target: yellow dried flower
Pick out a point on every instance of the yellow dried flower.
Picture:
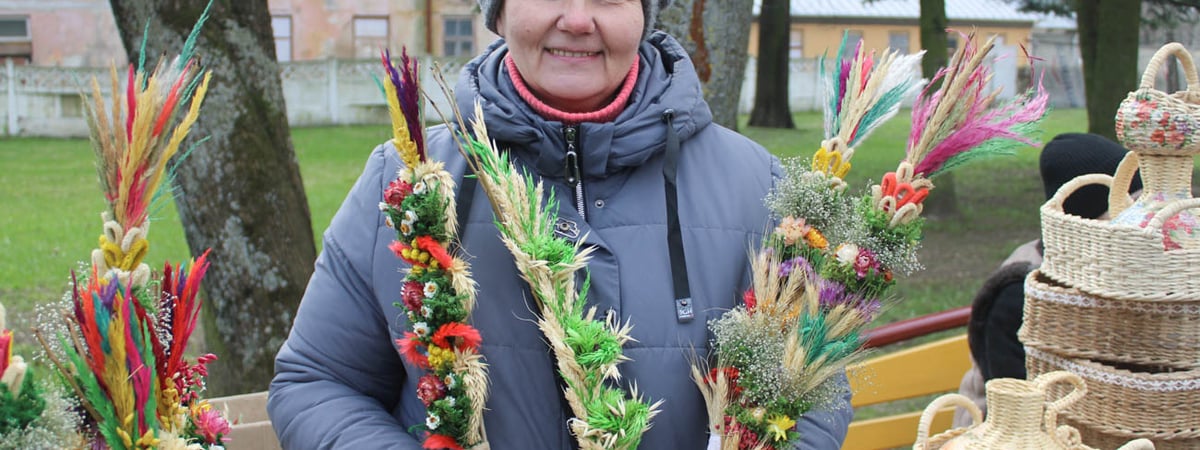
(778, 427)
(816, 239)
(440, 357)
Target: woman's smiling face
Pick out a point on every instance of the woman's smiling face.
(573, 54)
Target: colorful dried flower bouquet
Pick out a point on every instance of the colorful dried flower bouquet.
(121, 341)
(827, 269)
(438, 293)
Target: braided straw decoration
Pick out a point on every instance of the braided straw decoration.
(1157, 406)
(1067, 322)
(122, 251)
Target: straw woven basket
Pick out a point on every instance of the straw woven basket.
(1067, 322)
(1152, 122)
(1116, 261)
(1163, 407)
(1127, 259)
(1022, 415)
(1093, 438)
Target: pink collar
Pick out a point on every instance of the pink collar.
(605, 114)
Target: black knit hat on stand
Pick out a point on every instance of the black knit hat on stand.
(650, 9)
(1070, 155)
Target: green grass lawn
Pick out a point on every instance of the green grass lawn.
(52, 207)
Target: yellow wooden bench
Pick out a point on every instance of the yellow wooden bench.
(932, 368)
(252, 428)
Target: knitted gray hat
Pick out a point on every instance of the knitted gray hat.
(650, 8)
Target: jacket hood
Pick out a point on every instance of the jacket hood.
(666, 81)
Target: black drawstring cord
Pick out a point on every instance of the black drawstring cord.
(684, 312)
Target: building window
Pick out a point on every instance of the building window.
(370, 36)
(898, 41)
(853, 36)
(70, 106)
(14, 29)
(16, 44)
(458, 36)
(281, 27)
(796, 44)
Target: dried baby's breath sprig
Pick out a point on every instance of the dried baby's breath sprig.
(806, 194)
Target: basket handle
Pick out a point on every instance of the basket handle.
(1155, 225)
(1118, 192)
(1070, 187)
(1045, 380)
(1160, 57)
(926, 421)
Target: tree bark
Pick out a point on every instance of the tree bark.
(771, 108)
(944, 203)
(933, 36)
(1108, 45)
(715, 34)
(240, 191)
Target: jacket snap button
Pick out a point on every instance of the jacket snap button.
(599, 203)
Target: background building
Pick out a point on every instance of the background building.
(82, 33)
(62, 33)
(349, 29)
(328, 49)
(817, 25)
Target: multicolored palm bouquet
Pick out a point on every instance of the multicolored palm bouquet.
(122, 347)
(587, 350)
(438, 293)
(33, 414)
(824, 273)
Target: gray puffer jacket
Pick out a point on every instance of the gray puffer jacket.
(339, 381)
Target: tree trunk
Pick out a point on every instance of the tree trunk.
(1108, 45)
(944, 202)
(771, 79)
(240, 191)
(716, 34)
(933, 36)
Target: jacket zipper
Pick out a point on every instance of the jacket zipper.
(573, 173)
(574, 178)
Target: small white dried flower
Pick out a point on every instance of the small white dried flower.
(421, 328)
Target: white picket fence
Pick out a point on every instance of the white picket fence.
(45, 101)
(42, 101)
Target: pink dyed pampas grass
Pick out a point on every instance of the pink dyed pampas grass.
(959, 122)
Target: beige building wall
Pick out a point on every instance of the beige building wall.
(323, 29)
(83, 33)
(65, 33)
(811, 40)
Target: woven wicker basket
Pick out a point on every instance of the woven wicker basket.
(1099, 440)
(1127, 259)
(1163, 407)
(1152, 122)
(1022, 415)
(1116, 261)
(1065, 321)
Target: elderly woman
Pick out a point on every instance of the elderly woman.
(610, 114)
